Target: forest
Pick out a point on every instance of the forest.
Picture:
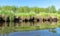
(29, 11)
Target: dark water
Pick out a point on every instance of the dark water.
(41, 32)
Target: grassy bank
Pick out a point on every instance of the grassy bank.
(42, 14)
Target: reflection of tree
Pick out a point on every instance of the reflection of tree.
(31, 23)
(58, 23)
(2, 32)
(7, 33)
(2, 35)
(37, 28)
(52, 30)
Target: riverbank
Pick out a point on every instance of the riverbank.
(23, 16)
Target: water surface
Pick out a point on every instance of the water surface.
(14, 29)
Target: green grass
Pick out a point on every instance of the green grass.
(29, 14)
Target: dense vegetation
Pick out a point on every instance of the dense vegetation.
(29, 11)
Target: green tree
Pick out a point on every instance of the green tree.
(35, 9)
(52, 9)
(23, 9)
(58, 11)
(9, 8)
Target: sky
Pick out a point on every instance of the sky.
(30, 3)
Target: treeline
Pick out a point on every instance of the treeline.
(50, 9)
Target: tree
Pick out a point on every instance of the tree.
(58, 11)
(52, 9)
(23, 9)
(9, 8)
(35, 9)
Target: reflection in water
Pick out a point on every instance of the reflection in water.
(8, 29)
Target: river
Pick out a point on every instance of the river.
(30, 29)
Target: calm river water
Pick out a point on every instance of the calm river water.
(11, 29)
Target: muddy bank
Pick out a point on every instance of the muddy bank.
(28, 19)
